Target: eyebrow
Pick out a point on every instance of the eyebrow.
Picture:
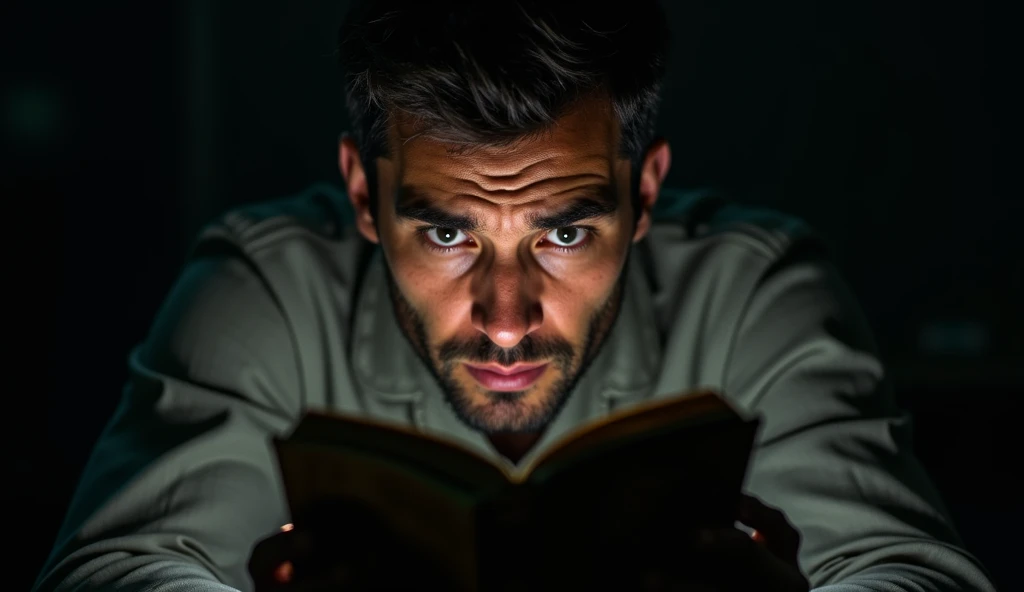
(598, 201)
(601, 203)
(412, 204)
(435, 216)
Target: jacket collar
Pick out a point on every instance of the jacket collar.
(388, 368)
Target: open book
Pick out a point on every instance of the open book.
(621, 487)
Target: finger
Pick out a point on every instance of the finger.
(732, 558)
(730, 544)
(757, 537)
(771, 527)
(288, 578)
(315, 585)
(273, 560)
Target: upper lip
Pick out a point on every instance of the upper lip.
(507, 371)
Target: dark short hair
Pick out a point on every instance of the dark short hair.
(491, 72)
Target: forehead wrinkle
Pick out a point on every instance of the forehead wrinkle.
(499, 182)
(533, 163)
(562, 184)
(526, 211)
(474, 176)
(485, 210)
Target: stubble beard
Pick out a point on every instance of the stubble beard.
(503, 413)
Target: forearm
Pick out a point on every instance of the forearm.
(170, 498)
(900, 578)
(183, 481)
(862, 528)
(834, 451)
(121, 572)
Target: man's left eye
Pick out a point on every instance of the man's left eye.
(570, 236)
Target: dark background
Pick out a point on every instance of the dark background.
(892, 127)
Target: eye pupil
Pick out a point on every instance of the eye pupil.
(567, 235)
(446, 235)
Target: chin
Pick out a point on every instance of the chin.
(506, 412)
(501, 418)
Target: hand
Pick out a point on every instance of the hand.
(345, 548)
(732, 560)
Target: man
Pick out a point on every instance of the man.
(510, 272)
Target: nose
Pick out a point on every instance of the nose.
(506, 308)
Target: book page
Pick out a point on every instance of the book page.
(691, 408)
(435, 517)
(444, 459)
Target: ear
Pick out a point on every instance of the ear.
(357, 187)
(652, 174)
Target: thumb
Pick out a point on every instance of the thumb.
(771, 528)
(272, 561)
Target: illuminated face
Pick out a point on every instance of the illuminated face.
(506, 264)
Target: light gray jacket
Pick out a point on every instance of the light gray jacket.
(283, 307)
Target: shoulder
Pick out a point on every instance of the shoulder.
(304, 251)
(706, 256)
(736, 288)
(711, 221)
(318, 216)
(299, 244)
(701, 236)
(264, 287)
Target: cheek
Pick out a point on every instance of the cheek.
(439, 300)
(570, 303)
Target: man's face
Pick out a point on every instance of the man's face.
(505, 265)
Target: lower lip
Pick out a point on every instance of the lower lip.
(506, 382)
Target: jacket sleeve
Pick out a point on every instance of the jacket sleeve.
(182, 482)
(834, 451)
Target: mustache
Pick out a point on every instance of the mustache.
(484, 351)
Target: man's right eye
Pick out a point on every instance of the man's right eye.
(445, 238)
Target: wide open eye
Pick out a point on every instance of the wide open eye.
(446, 237)
(568, 237)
